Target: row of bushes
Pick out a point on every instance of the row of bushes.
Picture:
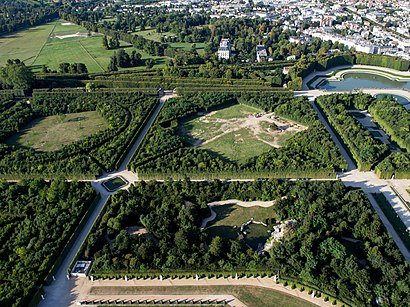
(237, 174)
(365, 149)
(394, 120)
(397, 164)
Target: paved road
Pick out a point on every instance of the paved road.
(369, 182)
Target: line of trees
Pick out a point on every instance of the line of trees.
(122, 59)
(365, 149)
(319, 251)
(394, 119)
(73, 68)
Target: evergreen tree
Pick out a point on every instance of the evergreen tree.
(105, 43)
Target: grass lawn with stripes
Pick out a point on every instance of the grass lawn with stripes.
(24, 45)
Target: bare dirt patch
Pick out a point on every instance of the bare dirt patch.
(266, 128)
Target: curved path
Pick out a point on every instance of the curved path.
(65, 292)
(340, 70)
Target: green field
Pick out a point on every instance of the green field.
(24, 45)
(153, 35)
(227, 133)
(41, 45)
(249, 295)
(188, 47)
(228, 216)
(53, 132)
(80, 49)
(238, 146)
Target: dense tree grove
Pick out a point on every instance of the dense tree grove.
(17, 14)
(365, 149)
(164, 153)
(397, 164)
(122, 59)
(16, 75)
(36, 221)
(349, 254)
(124, 112)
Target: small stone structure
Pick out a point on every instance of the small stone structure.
(81, 268)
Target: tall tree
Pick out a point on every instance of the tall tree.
(16, 75)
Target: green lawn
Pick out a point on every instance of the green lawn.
(153, 35)
(53, 132)
(235, 111)
(249, 295)
(188, 47)
(228, 216)
(24, 45)
(239, 145)
(87, 50)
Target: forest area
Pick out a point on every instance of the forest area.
(318, 251)
(37, 218)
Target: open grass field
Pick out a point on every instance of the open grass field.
(188, 47)
(239, 146)
(236, 134)
(153, 35)
(249, 295)
(64, 45)
(53, 132)
(61, 41)
(228, 216)
(24, 45)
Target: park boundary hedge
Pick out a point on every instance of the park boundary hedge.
(238, 174)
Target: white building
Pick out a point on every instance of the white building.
(224, 51)
(261, 54)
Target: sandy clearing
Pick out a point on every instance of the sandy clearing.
(251, 123)
(78, 34)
